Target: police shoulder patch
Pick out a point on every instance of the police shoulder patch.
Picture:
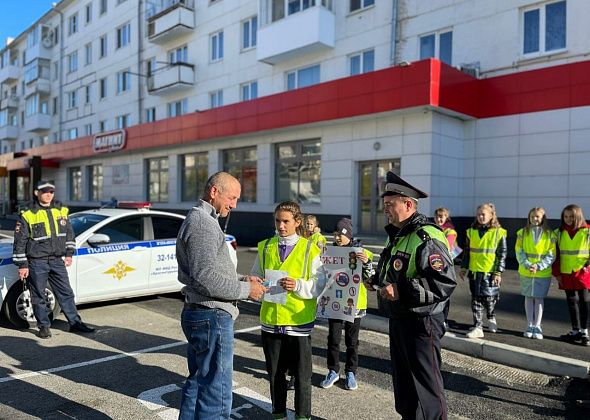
(436, 262)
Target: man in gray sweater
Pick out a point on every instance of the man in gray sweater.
(211, 293)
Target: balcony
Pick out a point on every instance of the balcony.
(38, 122)
(40, 51)
(9, 102)
(169, 19)
(9, 73)
(171, 79)
(42, 86)
(8, 132)
(304, 32)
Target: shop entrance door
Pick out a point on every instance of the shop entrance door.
(371, 186)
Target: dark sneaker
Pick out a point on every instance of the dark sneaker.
(44, 332)
(570, 338)
(81, 327)
(291, 383)
(585, 340)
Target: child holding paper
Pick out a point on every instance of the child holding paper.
(289, 261)
(343, 237)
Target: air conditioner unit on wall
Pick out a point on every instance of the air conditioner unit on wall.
(47, 40)
(471, 69)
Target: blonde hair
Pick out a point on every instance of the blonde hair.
(313, 219)
(579, 220)
(445, 211)
(293, 208)
(495, 223)
(544, 224)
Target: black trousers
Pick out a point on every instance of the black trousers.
(283, 352)
(415, 361)
(351, 339)
(578, 304)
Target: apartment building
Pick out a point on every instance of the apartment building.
(310, 100)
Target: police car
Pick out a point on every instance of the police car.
(120, 252)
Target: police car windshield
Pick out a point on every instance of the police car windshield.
(84, 221)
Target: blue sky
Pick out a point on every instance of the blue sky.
(18, 15)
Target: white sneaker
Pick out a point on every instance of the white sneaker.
(538, 333)
(493, 325)
(529, 332)
(475, 332)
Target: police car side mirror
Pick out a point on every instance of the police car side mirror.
(99, 239)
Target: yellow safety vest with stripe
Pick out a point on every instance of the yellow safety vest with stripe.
(482, 251)
(295, 311)
(361, 302)
(40, 225)
(573, 252)
(318, 239)
(449, 231)
(534, 252)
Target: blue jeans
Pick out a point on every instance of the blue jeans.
(207, 392)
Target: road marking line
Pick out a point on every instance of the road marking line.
(32, 374)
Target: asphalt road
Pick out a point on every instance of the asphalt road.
(134, 365)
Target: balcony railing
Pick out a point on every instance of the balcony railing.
(8, 132)
(9, 73)
(173, 78)
(9, 102)
(37, 122)
(167, 19)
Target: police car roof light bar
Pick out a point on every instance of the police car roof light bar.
(134, 204)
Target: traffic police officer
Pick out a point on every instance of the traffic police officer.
(414, 278)
(42, 236)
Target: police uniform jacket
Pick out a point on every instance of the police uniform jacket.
(416, 258)
(43, 232)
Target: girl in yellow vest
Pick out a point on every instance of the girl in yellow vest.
(442, 217)
(286, 327)
(343, 237)
(313, 232)
(572, 270)
(535, 252)
(484, 260)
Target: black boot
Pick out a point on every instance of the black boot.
(44, 332)
(79, 326)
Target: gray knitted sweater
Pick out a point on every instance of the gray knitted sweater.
(204, 264)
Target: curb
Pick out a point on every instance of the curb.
(499, 353)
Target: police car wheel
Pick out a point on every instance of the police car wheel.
(19, 311)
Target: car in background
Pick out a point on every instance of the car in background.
(120, 252)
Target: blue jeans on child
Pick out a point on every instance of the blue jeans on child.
(207, 392)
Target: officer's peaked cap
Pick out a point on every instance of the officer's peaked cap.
(44, 185)
(397, 186)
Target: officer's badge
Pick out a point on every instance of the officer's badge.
(436, 262)
(398, 264)
(62, 221)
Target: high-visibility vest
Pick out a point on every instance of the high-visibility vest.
(295, 311)
(482, 251)
(534, 252)
(573, 252)
(361, 302)
(318, 239)
(40, 225)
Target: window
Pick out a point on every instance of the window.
(87, 129)
(88, 14)
(103, 6)
(73, 24)
(124, 35)
(241, 163)
(249, 28)
(103, 46)
(55, 105)
(178, 55)
(56, 35)
(72, 99)
(544, 28)
(36, 69)
(123, 81)
(73, 62)
(297, 170)
(150, 66)
(102, 126)
(217, 46)
(55, 70)
(95, 181)
(157, 180)
(73, 133)
(216, 99)
(194, 175)
(249, 91)
(303, 77)
(294, 6)
(362, 62)
(360, 4)
(87, 95)
(103, 88)
(32, 105)
(166, 227)
(128, 229)
(123, 121)
(150, 114)
(75, 183)
(88, 54)
(177, 108)
(438, 45)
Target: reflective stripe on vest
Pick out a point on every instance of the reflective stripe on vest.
(295, 311)
(573, 252)
(39, 227)
(534, 252)
(482, 251)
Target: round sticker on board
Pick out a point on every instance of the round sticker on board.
(335, 306)
(356, 278)
(352, 291)
(398, 264)
(342, 279)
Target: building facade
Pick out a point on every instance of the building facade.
(310, 100)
